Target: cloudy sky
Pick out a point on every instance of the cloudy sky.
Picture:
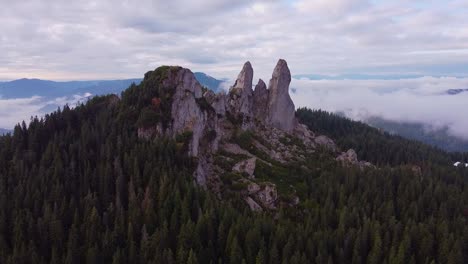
(108, 39)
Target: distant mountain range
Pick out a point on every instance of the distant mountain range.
(354, 77)
(208, 81)
(363, 76)
(456, 91)
(437, 137)
(49, 91)
(25, 88)
(4, 131)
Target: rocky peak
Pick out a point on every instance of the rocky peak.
(244, 79)
(280, 106)
(240, 95)
(260, 101)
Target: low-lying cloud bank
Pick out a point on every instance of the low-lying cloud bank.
(420, 100)
(14, 111)
(423, 100)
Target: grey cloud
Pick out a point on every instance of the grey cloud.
(119, 39)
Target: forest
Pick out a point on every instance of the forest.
(79, 186)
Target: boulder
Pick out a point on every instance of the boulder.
(349, 157)
(268, 196)
(281, 110)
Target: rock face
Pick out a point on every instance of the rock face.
(186, 113)
(217, 101)
(280, 106)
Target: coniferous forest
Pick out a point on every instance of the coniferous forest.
(78, 186)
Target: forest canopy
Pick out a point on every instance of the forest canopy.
(79, 186)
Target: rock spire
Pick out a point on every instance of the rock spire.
(280, 106)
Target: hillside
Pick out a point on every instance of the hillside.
(375, 145)
(439, 137)
(164, 174)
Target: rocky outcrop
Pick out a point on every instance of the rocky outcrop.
(268, 195)
(264, 194)
(246, 166)
(280, 106)
(350, 158)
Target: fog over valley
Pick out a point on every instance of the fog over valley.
(423, 100)
(436, 103)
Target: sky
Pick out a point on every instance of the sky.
(114, 39)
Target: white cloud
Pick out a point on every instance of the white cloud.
(412, 100)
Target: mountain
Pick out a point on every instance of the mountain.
(173, 173)
(456, 91)
(25, 88)
(208, 81)
(418, 131)
(4, 131)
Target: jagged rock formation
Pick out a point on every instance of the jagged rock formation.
(234, 135)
